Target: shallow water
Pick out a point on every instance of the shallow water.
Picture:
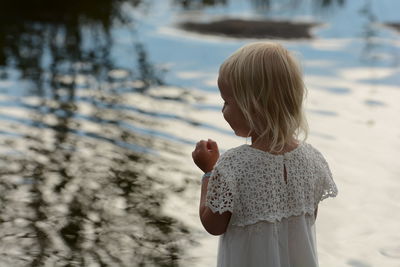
(99, 112)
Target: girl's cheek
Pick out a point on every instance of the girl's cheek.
(223, 114)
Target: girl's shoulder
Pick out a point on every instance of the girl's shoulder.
(246, 155)
(235, 155)
(233, 152)
(315, 155)
(245, 150)
(231, 156)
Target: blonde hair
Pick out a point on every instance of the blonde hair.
(267, 85)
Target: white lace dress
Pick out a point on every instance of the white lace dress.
(272, 222)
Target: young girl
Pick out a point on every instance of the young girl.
(263, 197)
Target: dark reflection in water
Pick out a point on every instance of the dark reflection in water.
(76, 187)
(259, 4)
(77, 201)
(69, 38)
(188, 4)
(369, 34)
(326, 3)
(293, 4)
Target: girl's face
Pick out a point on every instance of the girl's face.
(231, 111)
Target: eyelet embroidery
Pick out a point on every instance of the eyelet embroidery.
(249, 183)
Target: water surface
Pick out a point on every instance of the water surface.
(100, 108)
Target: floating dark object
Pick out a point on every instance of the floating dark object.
(253, 28)
(394, 25)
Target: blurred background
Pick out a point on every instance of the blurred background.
(101, 103)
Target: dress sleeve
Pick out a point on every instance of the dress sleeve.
(326, 187)
(220, 191)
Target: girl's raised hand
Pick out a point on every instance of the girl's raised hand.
(205, 155)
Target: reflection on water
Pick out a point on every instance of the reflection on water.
(77, 186)
(267, 5)
(189, 4)
(71, 199)
(98, 111)
(258, 4)
(369, 33)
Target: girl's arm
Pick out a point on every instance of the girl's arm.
(214, 223)
(205, 156)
